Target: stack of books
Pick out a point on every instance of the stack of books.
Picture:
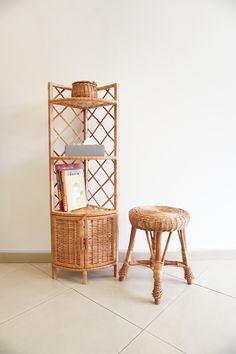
(71, 186)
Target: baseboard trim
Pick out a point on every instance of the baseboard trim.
(194, 255)
(45, 256)
(25, 257)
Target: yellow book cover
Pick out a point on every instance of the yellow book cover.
(75, 189)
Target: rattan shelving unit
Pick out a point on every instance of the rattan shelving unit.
(84, 239)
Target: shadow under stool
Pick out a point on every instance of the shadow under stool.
(155, 220)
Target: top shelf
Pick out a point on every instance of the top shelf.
(83, 102)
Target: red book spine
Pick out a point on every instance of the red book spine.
(64, 198)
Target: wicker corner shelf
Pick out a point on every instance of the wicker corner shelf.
(82, 158)
(90, 210)
(84, 239)
(83, 102)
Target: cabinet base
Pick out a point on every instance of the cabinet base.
(85, 271)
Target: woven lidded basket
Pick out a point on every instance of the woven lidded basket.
(84, 89)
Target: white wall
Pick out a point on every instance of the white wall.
(175, 65)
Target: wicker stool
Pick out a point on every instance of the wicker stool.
(155, 220)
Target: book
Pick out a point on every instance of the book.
(73, 188)
(58, 168)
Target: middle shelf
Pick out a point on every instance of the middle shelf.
(83, 158)
(90, 210)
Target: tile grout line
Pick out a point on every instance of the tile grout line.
(203, 286)
(100, 305)
(97, 303)
(54, 280)
(41, 270)
(175, 276)
(33, 307)
(133, 339)
(116, 314)
(65, 290)
(90, 299)
(164, 341)
(171, 303)
(160, 313)
(144, 329)
(170, 275)
(215, 291)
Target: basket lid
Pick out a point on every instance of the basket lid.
(85, 82)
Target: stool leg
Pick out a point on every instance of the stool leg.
(124, 269)
(188, 275)
(157, 268)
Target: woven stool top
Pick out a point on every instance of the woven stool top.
(158, 218)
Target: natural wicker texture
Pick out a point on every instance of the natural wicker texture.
(84, 89)
(71, 125)
(155, 220)
(83, 102)
(82, 158)
(84, 241)
(159, 218)
(90, 210)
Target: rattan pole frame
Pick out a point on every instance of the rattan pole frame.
(85, 239)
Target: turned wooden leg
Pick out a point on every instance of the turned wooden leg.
(116, 274)
(54, 272)
(124, 269)
(188, 275)
(157, 269)
(84, 277)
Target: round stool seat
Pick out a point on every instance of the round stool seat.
(158, 218)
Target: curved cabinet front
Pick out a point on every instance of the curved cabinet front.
(84, 242)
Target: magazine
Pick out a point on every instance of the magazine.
(73, 187)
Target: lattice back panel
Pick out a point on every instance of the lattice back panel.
(67, 124)
(101, 174)
(67, 127)
(101, 183)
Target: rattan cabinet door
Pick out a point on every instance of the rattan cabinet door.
(68, 241)
(100, 241)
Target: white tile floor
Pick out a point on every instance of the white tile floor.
(39, 315)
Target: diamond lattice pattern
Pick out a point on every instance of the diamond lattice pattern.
(68, 128)
(101, 128)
